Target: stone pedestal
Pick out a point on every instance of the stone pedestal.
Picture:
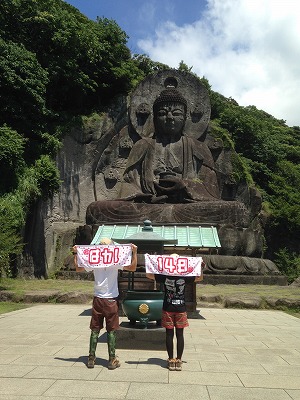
(137, 337)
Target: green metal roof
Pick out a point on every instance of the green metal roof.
(187, 236)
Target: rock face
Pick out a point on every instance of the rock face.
(296, 282)
(51, 228)
(155, 158)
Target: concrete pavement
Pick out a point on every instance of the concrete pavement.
(230, 354)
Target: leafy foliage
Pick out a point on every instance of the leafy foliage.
(184, 67)
(54, 63)
(11, 158)
(271, 151)
(289, 263)
(12, 219)
(87, 62)
(47, 176)
(23, 88)
(146, 66)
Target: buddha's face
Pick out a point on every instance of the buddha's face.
(169, 119)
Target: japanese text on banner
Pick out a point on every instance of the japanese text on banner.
(103, 256)
(173, 265)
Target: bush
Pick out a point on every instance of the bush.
(288, 263)
(12, 218)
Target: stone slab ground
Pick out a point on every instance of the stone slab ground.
(229, 354)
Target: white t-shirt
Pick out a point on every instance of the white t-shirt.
(106, 281)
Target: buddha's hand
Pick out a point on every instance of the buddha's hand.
(140, 197)
(159, 199)
(169, 184)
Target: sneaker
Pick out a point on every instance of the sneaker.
(171, 364)
(91, 361)
(113, 363)
(178, 365)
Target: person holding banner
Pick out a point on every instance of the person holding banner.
(105, 261)
(174, 272)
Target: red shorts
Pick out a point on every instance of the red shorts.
(170, 320)
(105, 308)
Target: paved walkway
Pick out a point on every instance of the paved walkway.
(229, 355)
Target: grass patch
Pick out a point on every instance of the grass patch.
(293, 313)
(6, 307)
(21, 286)
(288, 292)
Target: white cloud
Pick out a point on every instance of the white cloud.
(247, 49)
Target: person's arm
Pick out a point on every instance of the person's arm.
(200, 278)
(78, 269)
(132, 266)
(150, 276)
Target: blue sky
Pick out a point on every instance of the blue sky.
(248, 49)
(139, 18)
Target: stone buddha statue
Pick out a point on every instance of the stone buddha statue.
(165, 166)
(169, 167)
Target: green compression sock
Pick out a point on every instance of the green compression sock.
(93, 342)
(111, 343)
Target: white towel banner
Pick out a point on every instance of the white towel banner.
(103, 256)
(173, 265)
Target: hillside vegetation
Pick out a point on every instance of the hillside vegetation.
(56, 66)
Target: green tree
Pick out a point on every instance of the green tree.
(11, 159)
(271, 151)
(88, 62)
(184, 67)
(146, 66)
(12, 219)
(289, 263)
(23, 89)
